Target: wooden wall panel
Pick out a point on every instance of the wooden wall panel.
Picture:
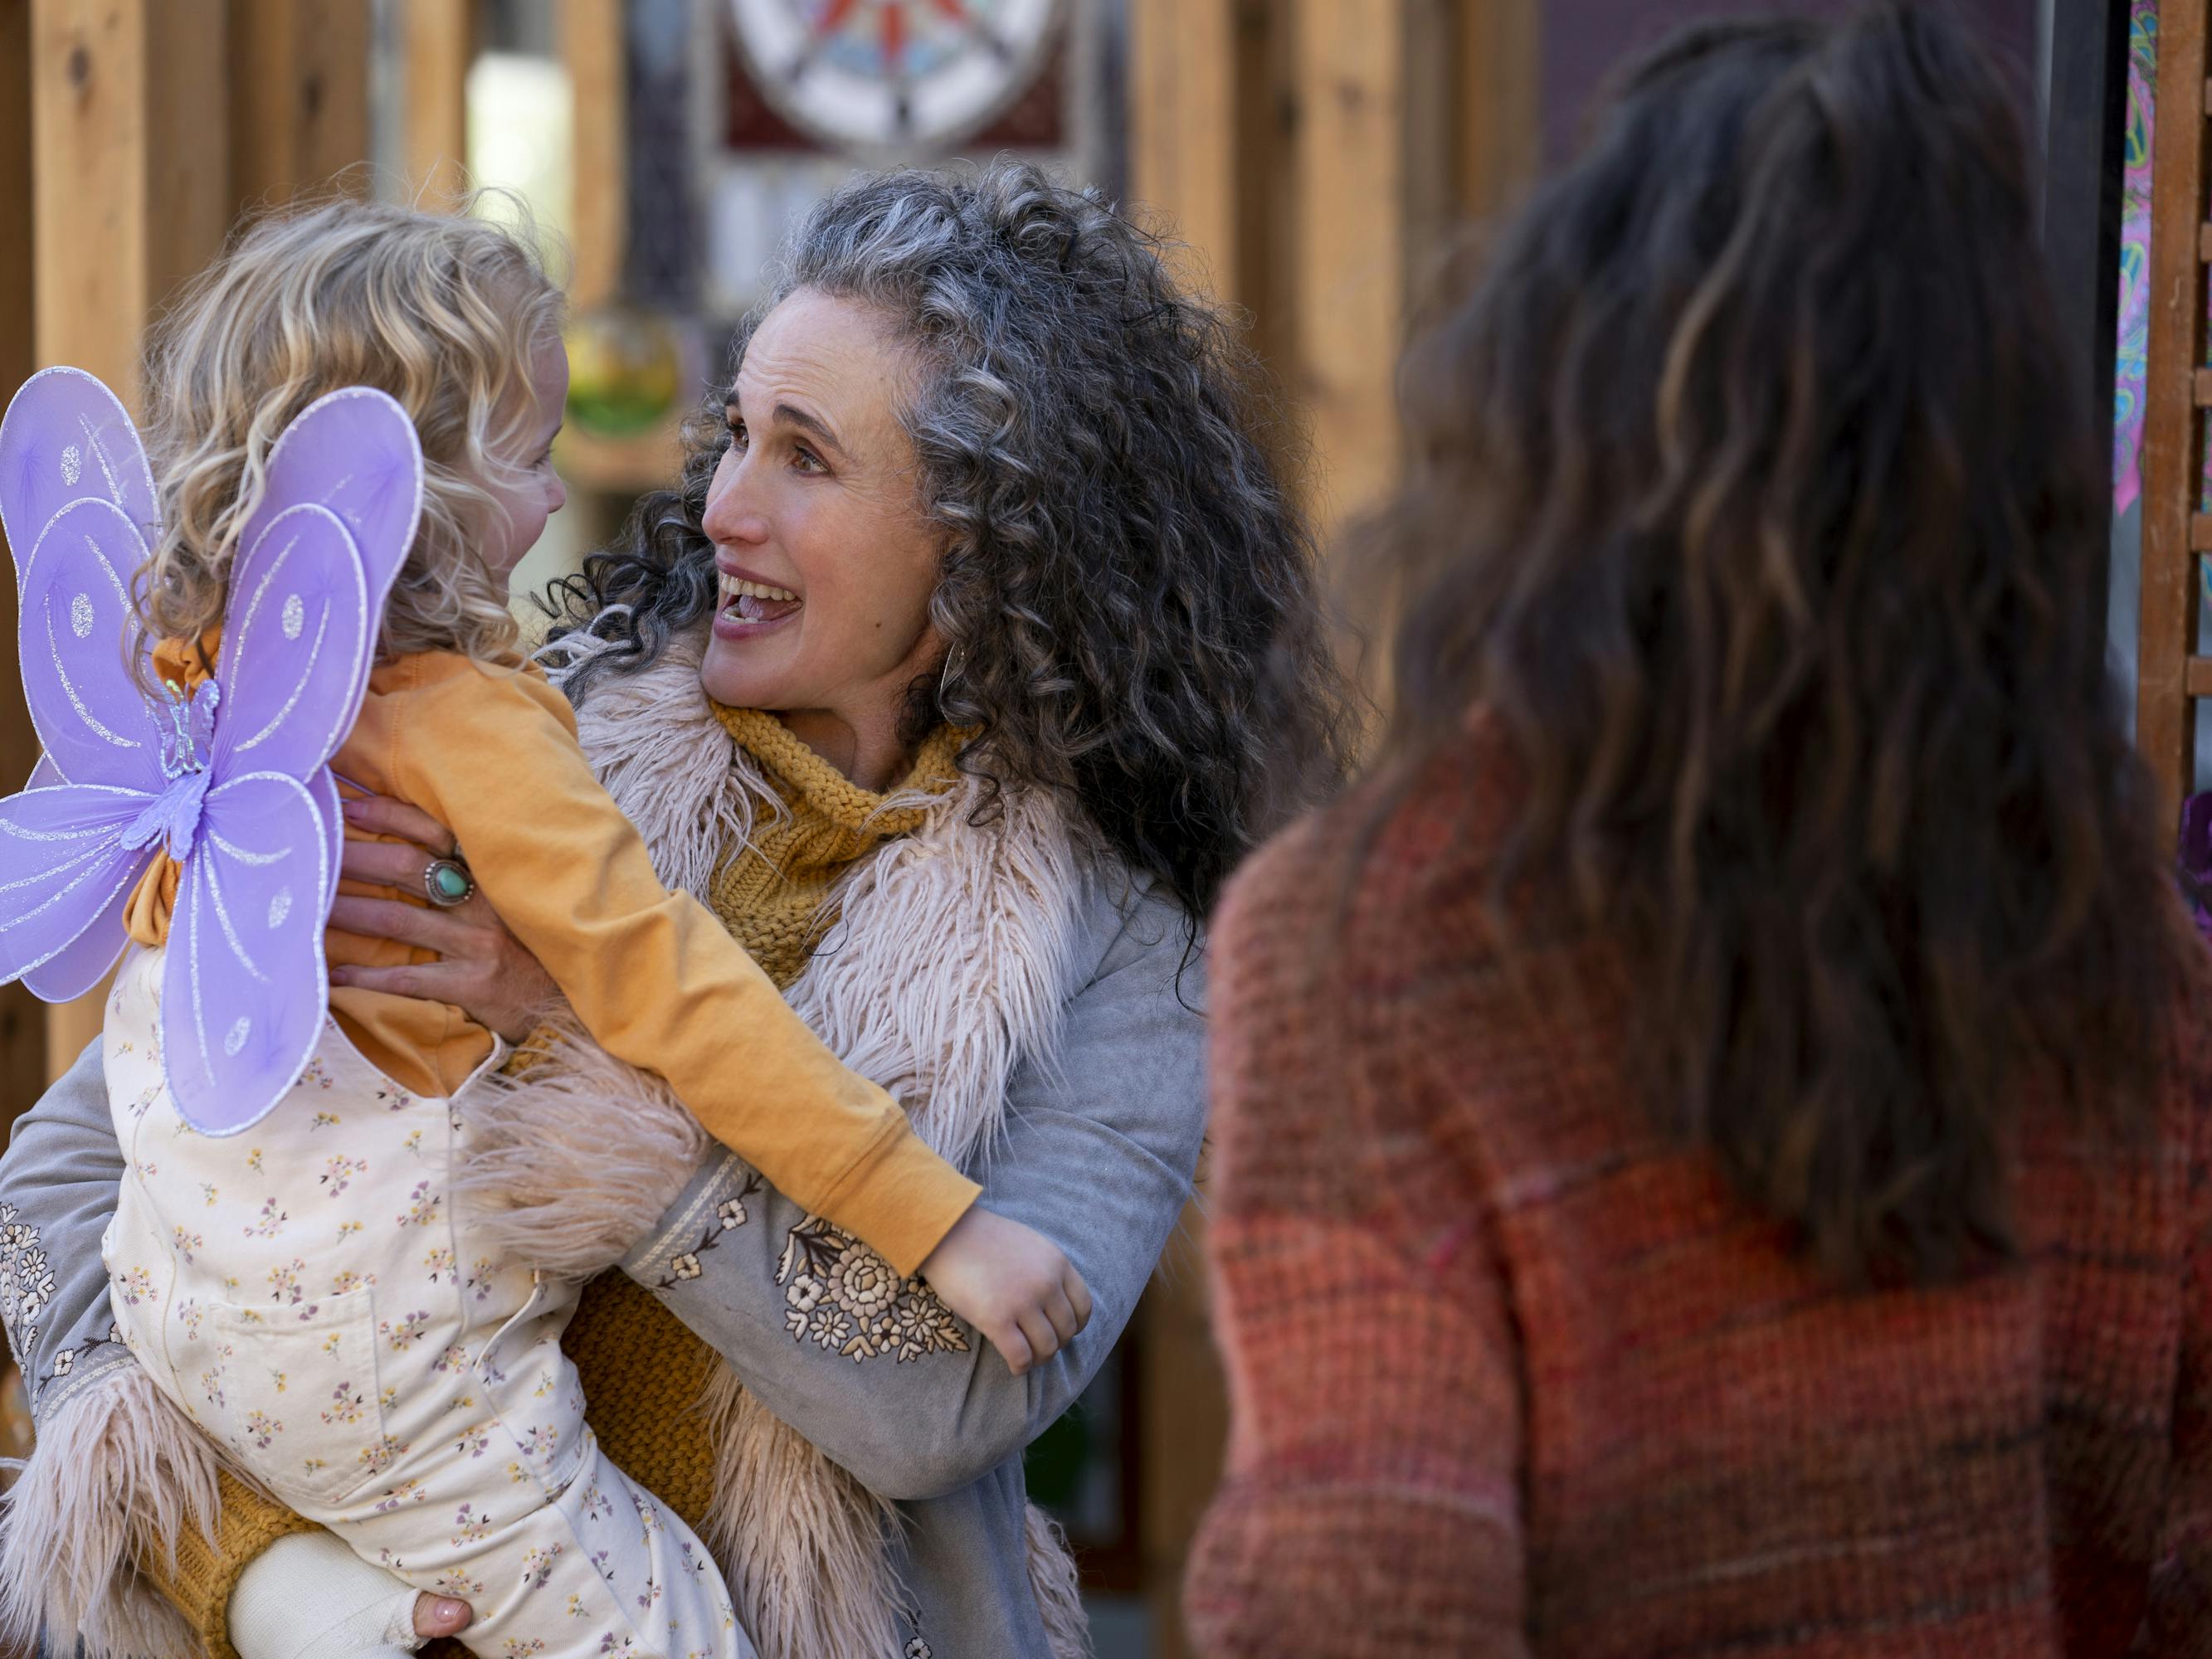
(189, 204)
(299, 103)
(1183, 132)
(88, 111)
(129, 197)
(1499, 79)
(438, 41)
(1200, 105)
(1352, 244)
(593, 52)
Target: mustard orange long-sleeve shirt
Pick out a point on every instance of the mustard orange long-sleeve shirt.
(489, 750)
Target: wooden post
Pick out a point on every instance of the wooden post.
(2173, 423)
(1183, 1428)
(1193, 88)
(1182, 162)
(22, 1016)
(130, 194)
(299, 103)
(1353, 257)
(1499, 120)
(438, 41)
(595, 50)
(1194, 68)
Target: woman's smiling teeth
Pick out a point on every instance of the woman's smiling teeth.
(754, 602)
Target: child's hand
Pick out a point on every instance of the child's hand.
(1013, 1283)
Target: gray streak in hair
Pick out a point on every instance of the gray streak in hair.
(1129, 595)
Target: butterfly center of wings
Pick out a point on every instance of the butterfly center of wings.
(173, 817)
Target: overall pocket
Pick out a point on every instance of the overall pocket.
(298, 1394)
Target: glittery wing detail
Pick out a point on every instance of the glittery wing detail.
(324, 789)
(295, 647)
(76, 631)
(243, 986)
(80, 965)
(65, 436)
(65, 871)
(356, 452)
(74, 490)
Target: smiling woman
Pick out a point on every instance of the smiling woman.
(1023, 471)
(814, 498)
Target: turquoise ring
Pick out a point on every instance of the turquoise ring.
(448, 883)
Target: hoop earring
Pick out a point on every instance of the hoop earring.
(956, 663)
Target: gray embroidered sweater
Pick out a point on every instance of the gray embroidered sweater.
(1099, 1155)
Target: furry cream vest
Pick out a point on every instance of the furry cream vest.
(949, 965)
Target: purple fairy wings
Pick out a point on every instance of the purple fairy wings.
(233, 782)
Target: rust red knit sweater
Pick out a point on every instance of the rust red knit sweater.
(1511, 1375)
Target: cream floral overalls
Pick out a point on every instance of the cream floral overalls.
(305, 1292)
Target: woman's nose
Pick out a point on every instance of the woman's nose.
(730, 517)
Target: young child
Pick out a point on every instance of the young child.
(309, 1293)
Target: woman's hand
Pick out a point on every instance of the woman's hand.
(482, 969)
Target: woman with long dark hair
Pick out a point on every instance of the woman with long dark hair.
(1713, 1138)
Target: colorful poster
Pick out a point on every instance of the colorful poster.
(2134, 258)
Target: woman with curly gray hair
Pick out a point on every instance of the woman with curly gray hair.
(975, 646)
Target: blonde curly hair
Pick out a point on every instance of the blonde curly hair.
(443, 311)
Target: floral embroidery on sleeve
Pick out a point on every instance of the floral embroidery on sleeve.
(840, 1294)
(729, 1215)
(27, 1281)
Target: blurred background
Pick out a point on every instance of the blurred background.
(1315, 158)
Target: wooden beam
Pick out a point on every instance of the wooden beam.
(22, 1016)
(1183, 134)
(88, 110)
(189, 204)
(438, 43)
(2173, 426)
(1265, 186)
(1350, 66)
(595, 52)
(299, 105)
(1429, 138)
(18, 345)
(129, 198)
(1183, 1427)
(1498, 76)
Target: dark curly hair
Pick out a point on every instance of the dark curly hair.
(1753, 494)
(1128, 593)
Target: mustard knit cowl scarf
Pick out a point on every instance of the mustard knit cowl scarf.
(772, 892)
